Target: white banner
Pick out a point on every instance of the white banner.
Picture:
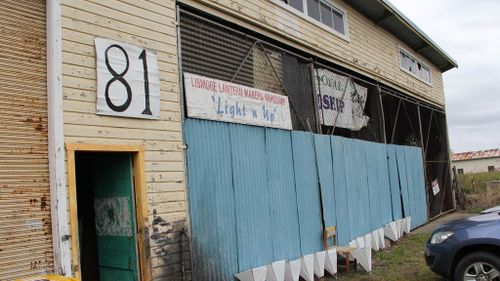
(214, 99)
(128, 82)
(341, 101)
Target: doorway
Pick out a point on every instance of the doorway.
(106, 189)
(106, 216)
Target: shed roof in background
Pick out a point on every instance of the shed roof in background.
(387, 16)
(490, 153)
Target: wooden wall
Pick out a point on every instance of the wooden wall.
(150, 24)
(369, 49)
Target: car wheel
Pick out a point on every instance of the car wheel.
(478, 266)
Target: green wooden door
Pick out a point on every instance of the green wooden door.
(115, 217)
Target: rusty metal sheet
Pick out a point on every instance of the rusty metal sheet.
(490, 153)
(25, 226)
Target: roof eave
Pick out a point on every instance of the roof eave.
(452, 63)
(387, 16)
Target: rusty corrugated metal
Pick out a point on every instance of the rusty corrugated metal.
(476, 154)
(25, 232)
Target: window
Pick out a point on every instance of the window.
(491, 168)
(416, 68)
(460, 171)
(322, 11)
(297, 4)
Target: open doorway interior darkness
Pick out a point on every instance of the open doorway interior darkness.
(86, 217)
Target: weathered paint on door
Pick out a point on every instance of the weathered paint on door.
(114, 217)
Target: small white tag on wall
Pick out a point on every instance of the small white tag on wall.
(128, 81)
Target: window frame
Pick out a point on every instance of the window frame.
(409, 54)
(305, 15)
(491, 168)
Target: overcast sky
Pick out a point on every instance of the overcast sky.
(469, 31)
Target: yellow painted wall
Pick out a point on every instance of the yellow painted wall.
(149, 24)
(369, 49)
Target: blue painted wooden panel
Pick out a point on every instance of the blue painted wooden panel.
(411, 178)
(373, 188)
(255, 197)
(342, 208)
(325, 169)
(357, 189)
(211, 200)
(397, 212)
(284, 213)
(422, 189)
(308, 195)
(403, 180)
(412, 194)
(252, 205)
(417, 191)
(384, 186)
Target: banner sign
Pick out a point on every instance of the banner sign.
(213, 99)
(341, 101)
(128, 81)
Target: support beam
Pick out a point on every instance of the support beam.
(57, 172)
(395, 122)
(384, 134)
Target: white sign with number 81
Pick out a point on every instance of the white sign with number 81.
(128, 82)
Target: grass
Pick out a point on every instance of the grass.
(404, 261)
(473, 183)
(477, 195)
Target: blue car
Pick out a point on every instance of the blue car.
(467, 250)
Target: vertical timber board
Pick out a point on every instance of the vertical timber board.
(252, 204)
(352, 189)
(394, 182)
(211, 196)
(403, 179)
(342, 206)
(357, 179)
(308, 194)
(418, 193)
(422, 190)
(371, 151)
(409, 163)
(282, 197)
(384, 186)
(325, 171)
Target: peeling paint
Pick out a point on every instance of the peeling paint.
(112, 217)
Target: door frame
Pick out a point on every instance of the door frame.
(139, 178)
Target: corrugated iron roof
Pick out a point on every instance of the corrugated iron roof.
(476, 154)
